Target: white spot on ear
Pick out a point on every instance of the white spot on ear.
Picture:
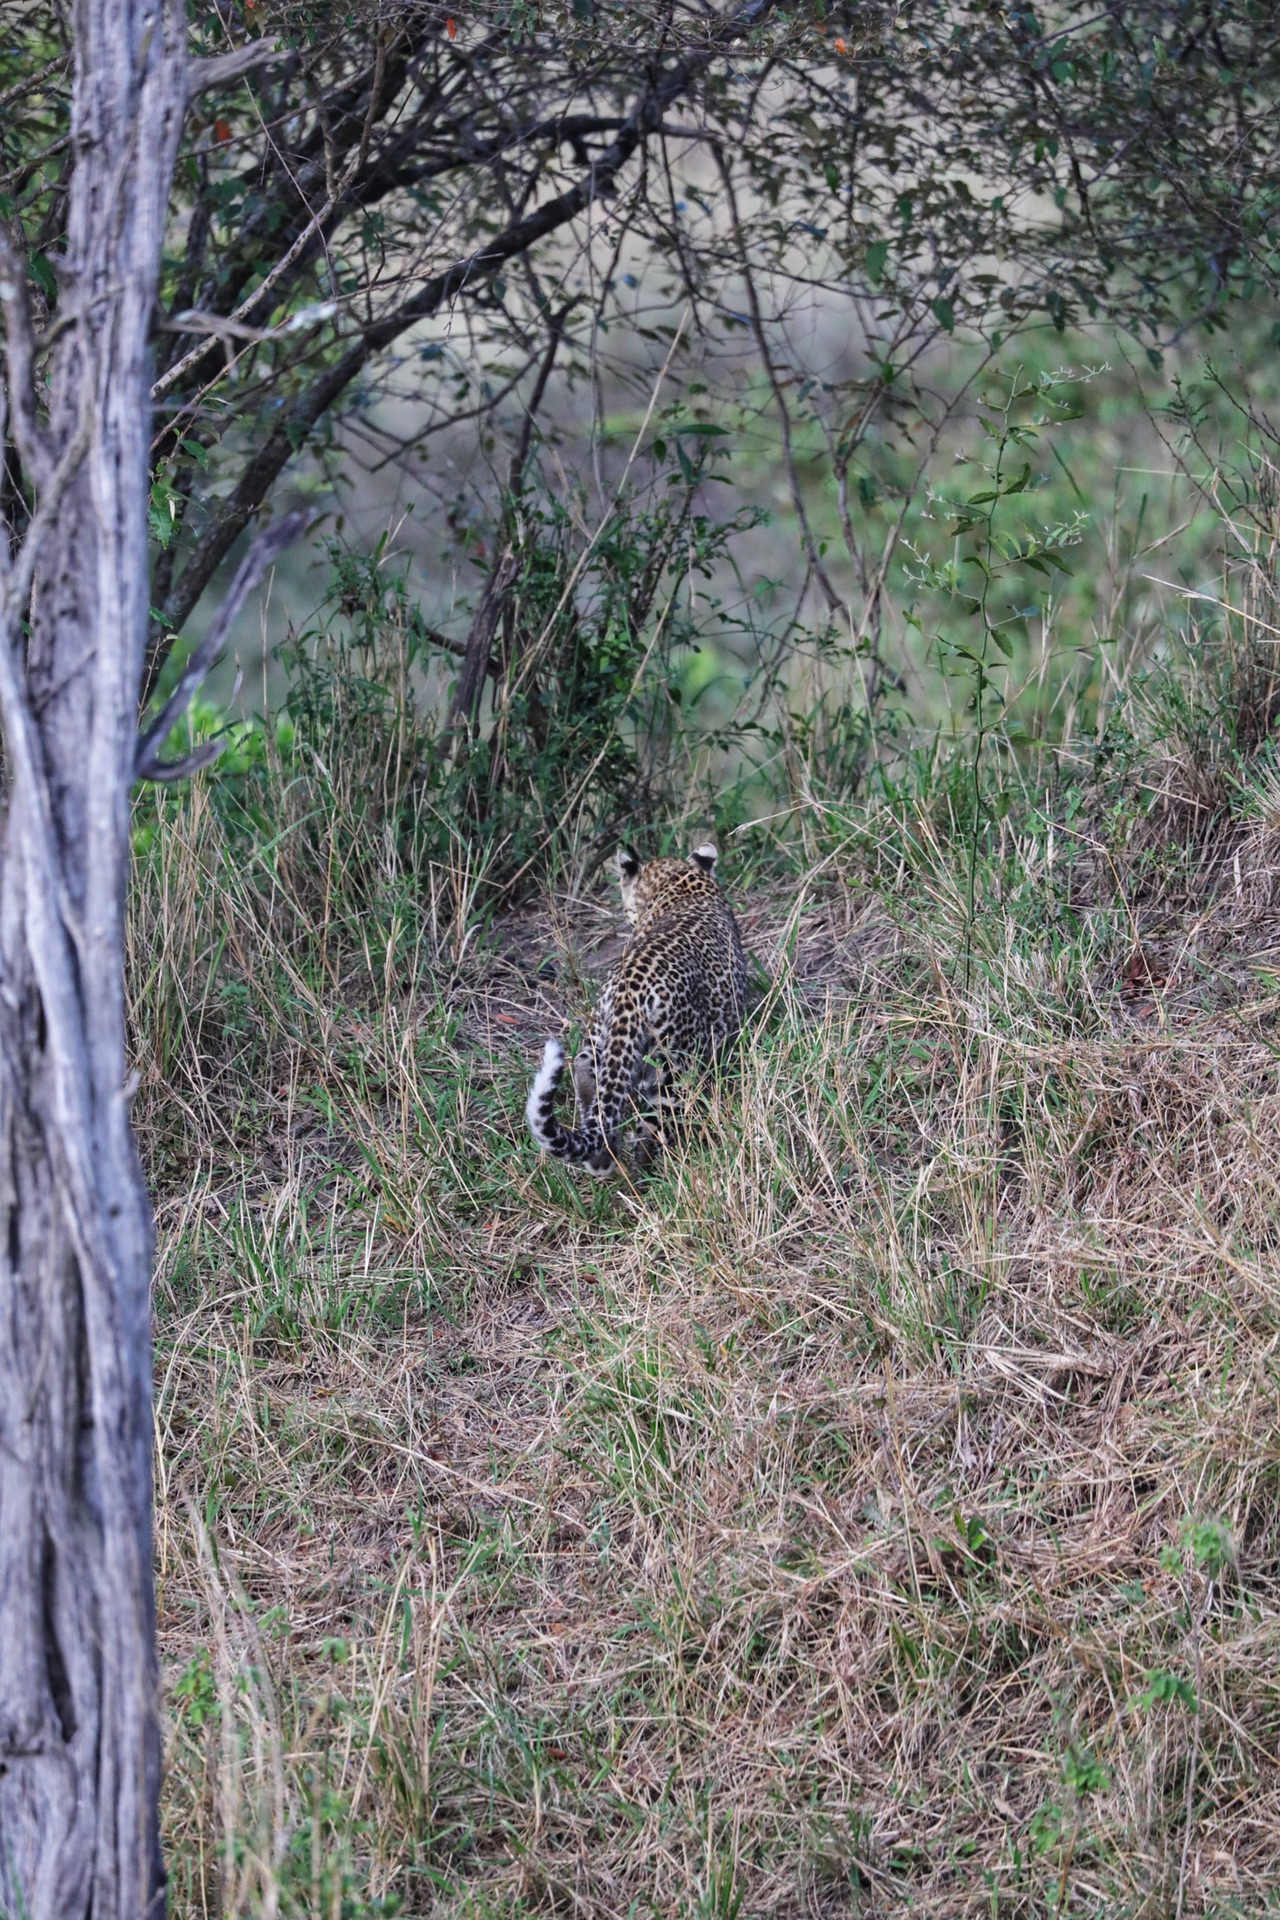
(705, 857)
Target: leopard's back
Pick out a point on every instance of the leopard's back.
(678, 992)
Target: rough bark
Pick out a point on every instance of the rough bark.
(79, 1727)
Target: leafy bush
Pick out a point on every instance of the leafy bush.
(579, 706)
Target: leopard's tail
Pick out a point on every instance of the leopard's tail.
(587, 1147)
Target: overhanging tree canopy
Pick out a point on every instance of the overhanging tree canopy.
(353, 175)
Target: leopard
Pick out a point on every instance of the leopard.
(678, 993)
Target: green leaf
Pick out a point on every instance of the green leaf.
(1003, 641)
(945, 315)
(877, 254)
(1085, 1775)
(1211, 1545)
(43, 275)
(1165, 1689)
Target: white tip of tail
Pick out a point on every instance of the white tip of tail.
(544, 1085)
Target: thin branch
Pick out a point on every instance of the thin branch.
(167, 772)
(18, 577)
(223, 68)
(265, 550)
(25, 87)
(32, 440)
(225, 328)
(519, 459)
(834, 600)
(408, 443)
(477, 654)
(18, 176)
(235, 320)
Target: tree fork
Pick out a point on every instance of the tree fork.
(80, 1741)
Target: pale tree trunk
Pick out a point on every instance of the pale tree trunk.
(79, 1727)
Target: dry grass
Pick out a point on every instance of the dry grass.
(877, 1514)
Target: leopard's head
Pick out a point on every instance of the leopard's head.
(639, 880)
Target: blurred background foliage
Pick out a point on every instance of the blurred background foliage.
(692, 402)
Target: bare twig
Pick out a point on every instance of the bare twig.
(476, 653)
(475, 664)
(265, 550)
(833, 599)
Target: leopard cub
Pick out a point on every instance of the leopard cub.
(678, 993)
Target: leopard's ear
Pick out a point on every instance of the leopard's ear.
(628, 863)
(704, 858)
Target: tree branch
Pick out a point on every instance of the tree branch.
(477, 662)
(32, 440)
(223, 68)
(834, 601)
(291, 431)
(17, 577)
(265, 550)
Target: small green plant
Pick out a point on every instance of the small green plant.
(1210, 1545)
(1083, 1776)
(195, 1691)
(1164, 1689)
